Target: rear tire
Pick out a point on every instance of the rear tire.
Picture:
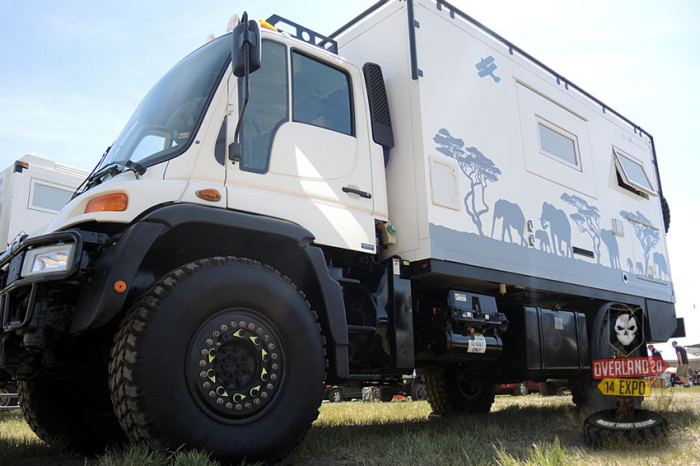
(222, 355)
(602, 428)
(584, 389)
(454, 392)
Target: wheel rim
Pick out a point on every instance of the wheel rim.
(420, 393)
(336, 396)
(235, 365)
(468, 388)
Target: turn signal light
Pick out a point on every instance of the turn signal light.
(111, 202)
(209, 195)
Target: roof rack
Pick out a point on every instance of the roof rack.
(305, 34)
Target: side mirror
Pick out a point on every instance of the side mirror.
(245, 47)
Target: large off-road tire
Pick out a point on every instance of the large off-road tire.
(666, 212)
(222, 355)
(601, 428)
(584, 389)
(455, 392)
(72, 412)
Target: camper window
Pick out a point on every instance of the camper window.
(631, 174)
(555, 142)
(48, 198)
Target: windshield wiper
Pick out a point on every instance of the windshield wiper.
(135, 167)
(85, 185)
(110, 170)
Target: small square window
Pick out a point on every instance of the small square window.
(558, 143)
(49, 198)
(631, 174)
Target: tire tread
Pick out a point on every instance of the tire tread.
(129, 403)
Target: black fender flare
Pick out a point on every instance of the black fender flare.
(101, 301)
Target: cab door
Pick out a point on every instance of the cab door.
(305, 154)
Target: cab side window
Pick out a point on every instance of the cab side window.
(268, 107)
(321, 95)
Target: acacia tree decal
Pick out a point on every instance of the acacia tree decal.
(648, 237)
(587, 218)
(479, 169)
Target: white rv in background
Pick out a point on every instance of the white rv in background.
(32, 191)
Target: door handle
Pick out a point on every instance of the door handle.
(362, 194)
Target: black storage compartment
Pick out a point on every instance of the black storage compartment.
(543, 343)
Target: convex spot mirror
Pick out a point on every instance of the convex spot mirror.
(245, 44)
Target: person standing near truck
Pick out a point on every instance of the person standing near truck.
(654, 352)
(682, 356)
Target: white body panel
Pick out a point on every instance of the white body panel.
(309, 167)
(472, 179)
(30, 198)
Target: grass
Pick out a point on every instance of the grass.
(531, 430)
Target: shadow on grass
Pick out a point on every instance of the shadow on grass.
(513, 434)
(35, 453)
(459, 439)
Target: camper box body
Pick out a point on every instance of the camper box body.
(32, 191)
(502, 166)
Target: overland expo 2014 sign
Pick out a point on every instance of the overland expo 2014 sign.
(628, 367)
(622, 377)
(616, 375)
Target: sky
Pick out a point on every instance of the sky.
(73, 71)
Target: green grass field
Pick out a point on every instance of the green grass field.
(531, 430)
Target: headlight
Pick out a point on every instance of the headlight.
(47, 259)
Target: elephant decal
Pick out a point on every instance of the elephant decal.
(610, 241)
(512, 217)
(559, 229)
(661, 265)
(542, 238)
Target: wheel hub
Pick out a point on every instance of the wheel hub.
(235, 364)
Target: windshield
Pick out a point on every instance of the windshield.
(168, 117)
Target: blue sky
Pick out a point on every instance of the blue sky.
(73, 71)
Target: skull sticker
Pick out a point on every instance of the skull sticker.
(626, 329)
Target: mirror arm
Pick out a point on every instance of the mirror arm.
(236, 148)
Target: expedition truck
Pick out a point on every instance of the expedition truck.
(286, 210)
